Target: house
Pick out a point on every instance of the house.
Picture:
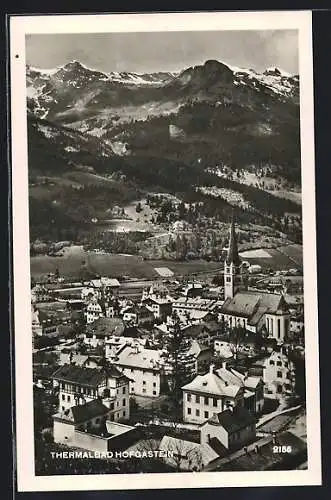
(109, 285)
(208, 394)
(143, 367)
(114, 344)
(222, 348)
(138, 315)
(204, 332)
(77, 359)
(195, 308)
(216, 390)
(98, 332)
(254, 311)
(202, 356)
(93, 311)
(253, 386)
(40, 293)
(35, 322)
(78, 385)
(232, 428)
(158, 300)
(89, 427)
(278, 375)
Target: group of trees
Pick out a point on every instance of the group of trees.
(113, 242)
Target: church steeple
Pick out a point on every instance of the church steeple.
(233, 255)
(234, 272)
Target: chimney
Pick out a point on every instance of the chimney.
(224, 365)
(211, 368)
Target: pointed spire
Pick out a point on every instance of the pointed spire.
(233, 255)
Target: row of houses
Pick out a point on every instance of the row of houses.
(93, 404)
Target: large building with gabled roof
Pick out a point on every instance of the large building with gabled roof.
(78, 385)
(216, 390)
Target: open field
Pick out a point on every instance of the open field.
(286, 257)
(74, 264)
(76, 261)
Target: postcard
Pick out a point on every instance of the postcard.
(164, 251)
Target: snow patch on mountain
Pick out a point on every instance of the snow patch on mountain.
(233, 197)
(49, 132)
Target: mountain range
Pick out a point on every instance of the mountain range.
(169, 131)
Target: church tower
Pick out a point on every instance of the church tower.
(235, 277)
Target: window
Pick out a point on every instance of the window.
(279, 363)
(188, 397)
(154, 384)
(144, 390)
(68, 399)
(206, 400)
(228, 279)
(214, 402)
(197, 412)
(62, 408)
(271, 362)
(123, 414)
(279, 389)
(154, 393)
(124, 402)
(279, 374)
(206, 414)
(63, 397)
(144, 382)
(189, 411)
(123, 390)
(111, 407)
(197, 399)
(117, 403)
(286, 365)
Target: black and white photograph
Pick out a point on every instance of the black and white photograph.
(164, 251)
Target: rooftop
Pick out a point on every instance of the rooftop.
(105, 327)
(77, 374)
(138, 357)
(82, 413)
(211, 383)
(252, 305)
(111, 282)
(233, 420)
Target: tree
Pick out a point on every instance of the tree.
(138, 207)
(184, 456)
(179, 362)
(236, 337)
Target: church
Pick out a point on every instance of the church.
(258, 312)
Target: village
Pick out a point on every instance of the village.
(188, 374)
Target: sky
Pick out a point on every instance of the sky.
(166, 51)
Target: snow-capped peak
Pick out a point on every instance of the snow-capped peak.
(273, 70)
(43, 71)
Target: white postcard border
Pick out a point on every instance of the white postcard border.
(263, 20)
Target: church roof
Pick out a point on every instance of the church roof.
(233, 255)
(252, 305)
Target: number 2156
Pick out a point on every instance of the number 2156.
(282, 449)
